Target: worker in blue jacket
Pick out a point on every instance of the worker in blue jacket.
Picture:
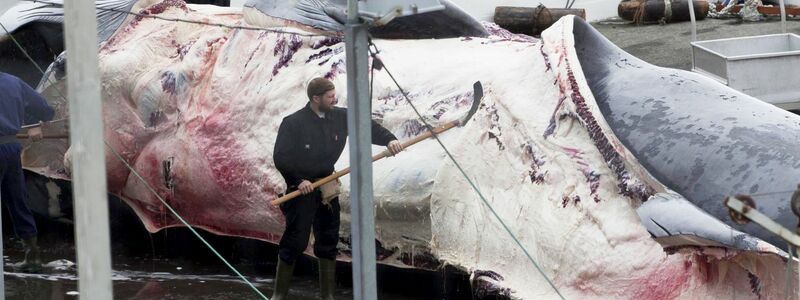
(19, 105)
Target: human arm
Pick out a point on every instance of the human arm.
(283, 154)
(383, 137)
(36, 107)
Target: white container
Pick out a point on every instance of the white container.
(766, 67)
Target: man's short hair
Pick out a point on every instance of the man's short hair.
(319, 86)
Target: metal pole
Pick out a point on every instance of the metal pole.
(783, 15)
(694, 22)
(762, 220)
(88, 154)
(352, 12)
(360, 133)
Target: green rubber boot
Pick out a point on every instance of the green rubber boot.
(32, 262)
(283, 278)
(327, 278)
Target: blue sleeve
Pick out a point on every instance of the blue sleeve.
(36, 107)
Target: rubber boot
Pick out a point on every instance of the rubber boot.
(32, 262)
(327, 278)
(283, 278)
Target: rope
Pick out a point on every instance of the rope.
(121, 159)
(464, 173)
(179, 20)
(638, 16)
(667, 11)
(26, 54)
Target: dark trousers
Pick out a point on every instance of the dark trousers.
(302, 214)
(12, 191)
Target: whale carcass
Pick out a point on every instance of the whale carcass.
(595, 160)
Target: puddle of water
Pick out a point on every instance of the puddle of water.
(60, 281)
(162, 279)
(172, 264)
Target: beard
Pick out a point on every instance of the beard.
(325, 107)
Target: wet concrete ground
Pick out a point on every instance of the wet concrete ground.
(129, 283)
(668, 45)
(193, 278)
(174, 264)
(159, 275)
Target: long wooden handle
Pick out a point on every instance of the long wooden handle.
(377, 157)
(46, 136)
(46, 123)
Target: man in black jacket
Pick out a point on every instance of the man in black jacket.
(308, 145)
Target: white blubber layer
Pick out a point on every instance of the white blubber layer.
(209, 100)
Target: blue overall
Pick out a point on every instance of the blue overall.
(19, 104)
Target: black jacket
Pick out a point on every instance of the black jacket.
(307, 146)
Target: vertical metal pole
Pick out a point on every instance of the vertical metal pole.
(352, 12)
(694, 22)
(88, 152)
(783, 15)
(359, 127)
